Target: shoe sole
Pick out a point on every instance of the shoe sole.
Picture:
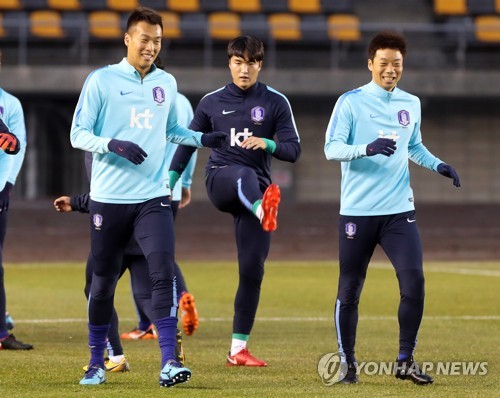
(270, 203)
(189, 317)
(180, 377)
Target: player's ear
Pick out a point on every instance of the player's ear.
(126, 39)
(260, 65)
(370, 65)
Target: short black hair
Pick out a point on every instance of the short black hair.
(387, 39)
(249, 48)
(144, 14)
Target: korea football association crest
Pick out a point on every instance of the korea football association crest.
(159, 95)
(404, 118)
(97, 220)
(258, 114)
(350, 230)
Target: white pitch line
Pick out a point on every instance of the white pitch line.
(292, 319)
(458, 271)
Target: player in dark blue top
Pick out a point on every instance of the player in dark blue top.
(238, 178)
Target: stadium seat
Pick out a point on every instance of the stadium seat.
(104, 25)
(487, 28)
(337, 6)
(29, 5)
(304, 6)
(284, 26)
(14, 23)
(184, 5)
(213, 5)
(122, 5)
(480, 7)
(3, 32)
(450, 7)
(194, 26)
(344, 27)
(171, 24)
(314, 28)
(74, 24)
(158, 5)
(91, 5)
(276, 6)
(46, 24)
(64, 5)
(244, 6)
(497, 6)
(254, 25)
(224, 25)
(10, 5)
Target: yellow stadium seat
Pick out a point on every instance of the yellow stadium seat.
(3, 33)
(122, 5)
(450, 7)
(171, 25)
(224, 25)
(284, 26)
(183, 5)
(244, 6)
(10, 5)
(304, 6)
(46, 24)
(344, 27)
(487, 28)
(70, 5)
(105, 25)
(497, 6)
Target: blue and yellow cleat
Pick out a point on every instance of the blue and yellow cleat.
(173, 373)
(94, 376)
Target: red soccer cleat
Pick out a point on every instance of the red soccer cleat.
(189, 313)
(244, 358)
(270, 203)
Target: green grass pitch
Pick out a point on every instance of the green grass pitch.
(293, 331)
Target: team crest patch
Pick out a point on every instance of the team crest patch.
(97, 219)
(159, 95)
(404, 118)
(258, 114)
(350, 230)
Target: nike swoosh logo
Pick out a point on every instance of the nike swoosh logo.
(120, 149)
(374, 116)
(164, 204)
(410, 220)
(224, 112)
(126, 92)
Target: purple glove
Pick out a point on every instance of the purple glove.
(382, 146)
(448, 171)
(130, 151)
(215, 139)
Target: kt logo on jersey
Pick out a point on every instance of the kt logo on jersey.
(141, 120)
(238, 137)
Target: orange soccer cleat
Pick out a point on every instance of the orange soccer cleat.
(138, 334)
(189, 314)
(270, 203)
(244, 358)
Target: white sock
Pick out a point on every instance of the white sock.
(237, 345)
(116, 358)
(259, 213)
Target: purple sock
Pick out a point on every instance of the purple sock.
(167, 328)
(97, 343)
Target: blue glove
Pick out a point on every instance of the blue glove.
(448, 171)
(382, 146)
(130, 151)
(5, 196)
(215, 139)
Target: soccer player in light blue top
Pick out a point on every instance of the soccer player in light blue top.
(13, 143)
(373, 131)
(125, 115)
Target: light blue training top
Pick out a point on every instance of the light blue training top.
(376, 185)
(11, 112)
(116, 102)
